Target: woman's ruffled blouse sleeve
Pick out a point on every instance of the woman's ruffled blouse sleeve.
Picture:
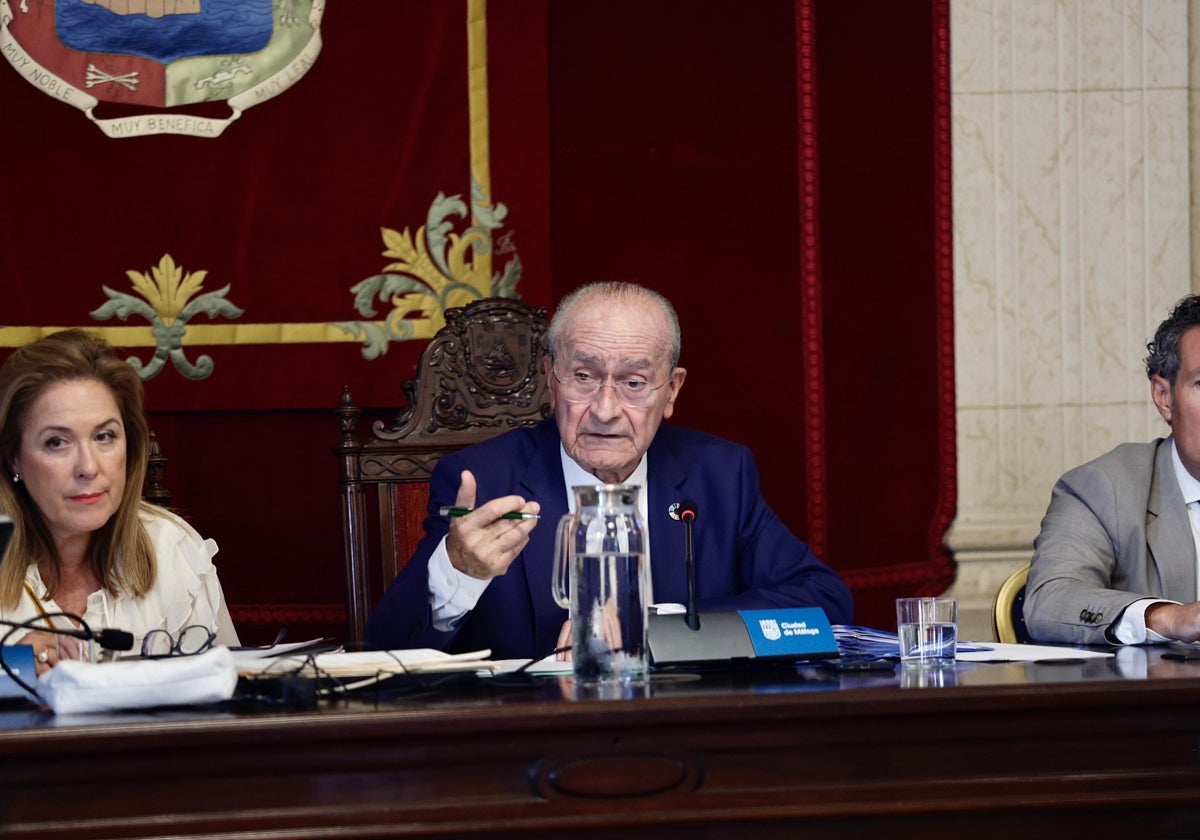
(187, 590)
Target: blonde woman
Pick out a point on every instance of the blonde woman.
(73, 445)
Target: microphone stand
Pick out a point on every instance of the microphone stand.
(693, 617)
(108, 638)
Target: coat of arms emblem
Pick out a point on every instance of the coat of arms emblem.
(149, 58)
(770, 629)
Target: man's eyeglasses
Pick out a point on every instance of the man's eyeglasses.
(582, 387)
(192, 639)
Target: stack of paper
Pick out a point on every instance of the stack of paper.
(369, 663)
(249, 653)
(854, 640)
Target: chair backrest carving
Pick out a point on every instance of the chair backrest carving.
(481, 375)
(153, 489)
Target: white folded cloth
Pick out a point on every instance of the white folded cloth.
(73, 686)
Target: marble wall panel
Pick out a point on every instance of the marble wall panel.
(974, 41)
(1164, 42)
(1033, 43)
(1073, 218)
(975, 283)
(1035, 288)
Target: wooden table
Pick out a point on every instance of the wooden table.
(1106, 748)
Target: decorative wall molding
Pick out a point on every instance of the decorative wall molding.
(947, 498)
(815, 466)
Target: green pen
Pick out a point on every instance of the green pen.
(462, 511)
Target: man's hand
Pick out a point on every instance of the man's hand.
(481, 544)
(1180, 622)
(564, 643)
(610, 629)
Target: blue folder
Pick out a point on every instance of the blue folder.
(19, 659)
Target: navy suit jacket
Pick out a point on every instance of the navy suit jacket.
(746, 558)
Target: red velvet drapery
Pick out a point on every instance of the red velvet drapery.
(779, 169)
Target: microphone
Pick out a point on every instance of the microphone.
(734, 637)
(119, 640)
(687, 514)
(108, 638)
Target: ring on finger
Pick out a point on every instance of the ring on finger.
(43, 656)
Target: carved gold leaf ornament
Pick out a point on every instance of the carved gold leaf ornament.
(170, 300)
(412, 258)
(438, 268)
(432, 271)
(167, 288)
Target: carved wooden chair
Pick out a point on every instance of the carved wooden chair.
(153, 489)
(479, 376)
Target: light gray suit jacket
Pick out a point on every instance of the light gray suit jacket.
(1116, 532)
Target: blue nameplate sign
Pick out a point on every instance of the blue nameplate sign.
(793, 632)
(775, 635)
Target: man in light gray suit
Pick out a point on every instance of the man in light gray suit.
(1116, 559)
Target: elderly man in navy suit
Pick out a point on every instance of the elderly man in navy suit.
(484, 581)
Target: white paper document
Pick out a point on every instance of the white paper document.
(251, 653)
(1004, 652)
(368, 663)
(543, 667)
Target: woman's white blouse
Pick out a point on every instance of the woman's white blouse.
(185, 592)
